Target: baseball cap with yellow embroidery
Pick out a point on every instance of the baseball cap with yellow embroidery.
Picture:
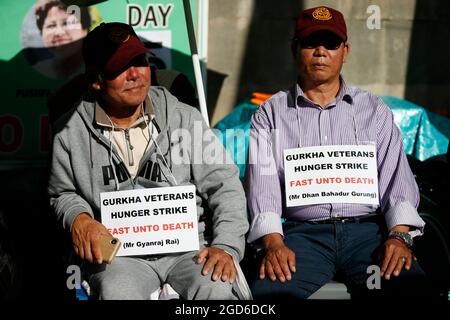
(110, 47)
(320, 18)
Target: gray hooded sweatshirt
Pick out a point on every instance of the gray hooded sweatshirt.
(83, 159)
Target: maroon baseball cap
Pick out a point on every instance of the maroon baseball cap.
(110, 47)
(320, 18)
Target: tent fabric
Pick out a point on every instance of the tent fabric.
(425, 134)
(234, 132)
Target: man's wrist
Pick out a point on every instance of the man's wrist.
(405, 237)
(401, 228)
(81, 218)
(272, 239)
(82, 215)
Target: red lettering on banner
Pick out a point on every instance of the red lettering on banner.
(16, 128)
(178, 226)
(298, 183)
(121, 230)
(359, 180)
(147, 228)
(328, 180)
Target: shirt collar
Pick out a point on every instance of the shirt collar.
(344, 94)
(102, 118)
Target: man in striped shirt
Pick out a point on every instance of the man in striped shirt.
(324, 238)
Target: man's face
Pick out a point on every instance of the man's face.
(129, 88)
(320, 58)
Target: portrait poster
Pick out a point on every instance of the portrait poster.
(40, 50)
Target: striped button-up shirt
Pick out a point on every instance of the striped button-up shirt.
(290, 120)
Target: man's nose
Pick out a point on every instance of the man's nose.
(132, 73)
(320, 50)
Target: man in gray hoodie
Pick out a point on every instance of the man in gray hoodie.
(124, 136)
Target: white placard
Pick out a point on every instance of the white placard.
(331, 174)
(153, 220)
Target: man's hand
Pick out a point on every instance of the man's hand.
(218, 260)
(396, 255)
(279, 260)
(85, 237)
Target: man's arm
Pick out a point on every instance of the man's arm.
(399, 194)
(74, 212)
(262, 185)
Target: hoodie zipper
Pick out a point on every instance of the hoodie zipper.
(129, 147)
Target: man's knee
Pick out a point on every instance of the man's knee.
(117, 287)
(206, 289)
(266, 289)
(111, 292)
(107, 290)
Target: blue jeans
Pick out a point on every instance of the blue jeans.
(342, 251)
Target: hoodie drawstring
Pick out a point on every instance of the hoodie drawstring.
(116, 181)
(158, 150)
(90, 150)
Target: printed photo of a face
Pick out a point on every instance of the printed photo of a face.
(58, 26)
(52, 37)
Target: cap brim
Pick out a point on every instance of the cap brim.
(124, 54)
(305, 33)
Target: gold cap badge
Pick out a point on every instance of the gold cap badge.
(322, 14)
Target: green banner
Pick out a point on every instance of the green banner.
(40, 49)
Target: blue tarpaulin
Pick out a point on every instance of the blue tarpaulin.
(236, 140)
(425, 134)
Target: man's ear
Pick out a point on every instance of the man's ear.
(346, 51)
(96, 85)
